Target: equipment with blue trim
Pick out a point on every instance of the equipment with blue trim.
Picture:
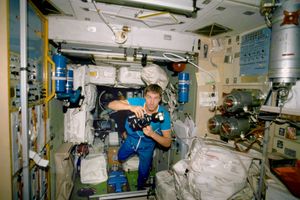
(117, 180)
(139, 123)
(64, 84)
(183, 87)
(72, 100)
(69, 83)
(60, 73)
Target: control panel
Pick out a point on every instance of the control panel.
(287, 140)
(254, 56)
(35, 85)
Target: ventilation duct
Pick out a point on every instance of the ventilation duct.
(212, 30)
(46, 7)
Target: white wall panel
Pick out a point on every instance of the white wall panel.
(85, 32)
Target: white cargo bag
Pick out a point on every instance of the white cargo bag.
(212, 171)
(101, 75)
(79, 77)
(64, 171)
(165, 185)
(93, 169)
(153, 74)
(132, 164)
(78, 125)
(90, 97)
(130, 76)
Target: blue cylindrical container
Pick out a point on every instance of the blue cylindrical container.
(183, 87)
(60, 73)
(69, 84)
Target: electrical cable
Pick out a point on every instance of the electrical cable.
(103, 18)
(268, 20)
(211, 61)
(99, 98)
(120, 35)
(288, 98)
(268, 96)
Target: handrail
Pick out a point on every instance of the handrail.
(48, 98)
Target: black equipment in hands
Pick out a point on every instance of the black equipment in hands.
(139, 123)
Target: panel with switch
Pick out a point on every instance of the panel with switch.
(287, 140)
(34, 80)
(254, 56)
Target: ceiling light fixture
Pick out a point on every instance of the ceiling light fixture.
(159, 5)
(248, 13)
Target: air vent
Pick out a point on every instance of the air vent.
(212, 30)
(220, 8)
(46, 7)
(248, 13)
(206, 2)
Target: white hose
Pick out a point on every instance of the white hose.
(178, 58)
(120, 35)
(103, 18)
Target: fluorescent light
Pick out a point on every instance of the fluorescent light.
(176, 7)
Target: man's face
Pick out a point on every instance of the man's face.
(152, 101)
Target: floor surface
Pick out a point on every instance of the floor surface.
(83, 191)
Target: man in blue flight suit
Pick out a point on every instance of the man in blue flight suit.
(142, 142)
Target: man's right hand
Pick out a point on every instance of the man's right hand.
(124, 105)
(138, 111)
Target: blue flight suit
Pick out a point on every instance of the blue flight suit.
(138, 143)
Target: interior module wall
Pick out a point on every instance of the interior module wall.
(204, 85)
(56, 133)
(5, 156)
(37, 133)
(189, 107)
(37, 141)
(225, 65)
(59, 30)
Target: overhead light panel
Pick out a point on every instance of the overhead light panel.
(248, 13)
(206, 2)
(154, 19)
(220, 8)
(176, 7)
(212, 30)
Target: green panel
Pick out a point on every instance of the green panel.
(57, 122)
(57, 133)
(132, 179)
(79, 189)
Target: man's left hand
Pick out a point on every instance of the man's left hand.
(148, 131)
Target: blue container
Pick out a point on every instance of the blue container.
(60, 73)
(117, 179)
(69, 84)
(183, 87)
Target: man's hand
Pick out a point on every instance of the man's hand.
(138, 111)
(164, 140)
(148, 131)
(124, 105)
